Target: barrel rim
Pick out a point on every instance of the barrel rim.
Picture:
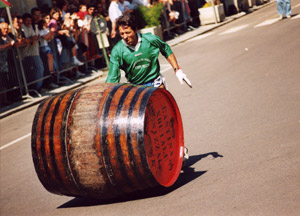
(180, 131)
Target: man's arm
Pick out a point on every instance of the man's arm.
(9, 44)
(166, 51)
(114, 74)
(178, 71)
(113, 29)
(173, 62)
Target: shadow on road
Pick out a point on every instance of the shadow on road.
(195, 158)
(187, 175)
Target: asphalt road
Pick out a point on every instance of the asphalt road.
(241, 121)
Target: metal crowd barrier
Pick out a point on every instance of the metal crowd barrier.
(13, 81)
(183, 20)
(16, 85)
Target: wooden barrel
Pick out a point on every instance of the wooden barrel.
(107, 140)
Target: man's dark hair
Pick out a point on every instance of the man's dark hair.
(61, 4)
(127, 20)
(26, 15)
(33, 10)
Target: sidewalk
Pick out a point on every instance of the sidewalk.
(21, 105)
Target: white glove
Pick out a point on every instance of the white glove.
(182, 77)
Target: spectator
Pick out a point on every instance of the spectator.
(3, 15)
(5, 43)
(54, 3)
(90, 25)
(36, 17)
(101, 10)
(45, 36)
(84, 26)
(82, 11)
(186, 11)
(17, 34)
(45, 9)
(69, 23)
(137, 3)
(63, 5)
(284, 8)
(76, 31)
(61, 37)
(32, 62)
(73, 6)
(15, 57)
(170, 16)
(114, 13)
(104, 3)
(125, 6)
(102, 20)
(90, 14)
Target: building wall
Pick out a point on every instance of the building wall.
(24, 6)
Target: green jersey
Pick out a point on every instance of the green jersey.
(141, 65)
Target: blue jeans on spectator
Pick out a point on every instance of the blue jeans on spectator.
(39, 71)
(284, 6)
(34, 70)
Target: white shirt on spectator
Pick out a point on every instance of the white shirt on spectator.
(30, 49)
(42, 33)
(125, 6)
(114, 11)
(137, 3)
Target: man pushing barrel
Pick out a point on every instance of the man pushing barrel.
(137, 55)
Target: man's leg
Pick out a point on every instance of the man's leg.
(288, 9)
(280, 4)
(39, 73)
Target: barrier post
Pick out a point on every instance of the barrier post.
(99, 32)
(27, 95)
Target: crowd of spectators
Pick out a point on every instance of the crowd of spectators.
(56, 44)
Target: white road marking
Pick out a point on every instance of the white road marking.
(267, 22)
(234, 29)
(298, 5)
(202, 36)
(15, 141)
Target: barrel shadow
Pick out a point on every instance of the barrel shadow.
(195, 158)
(187, 175)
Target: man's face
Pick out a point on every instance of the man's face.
(4, 29)
(27, 22)
(128, 35)
(91, 10)
(15, 23)
(20, 22)
(37, 16)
